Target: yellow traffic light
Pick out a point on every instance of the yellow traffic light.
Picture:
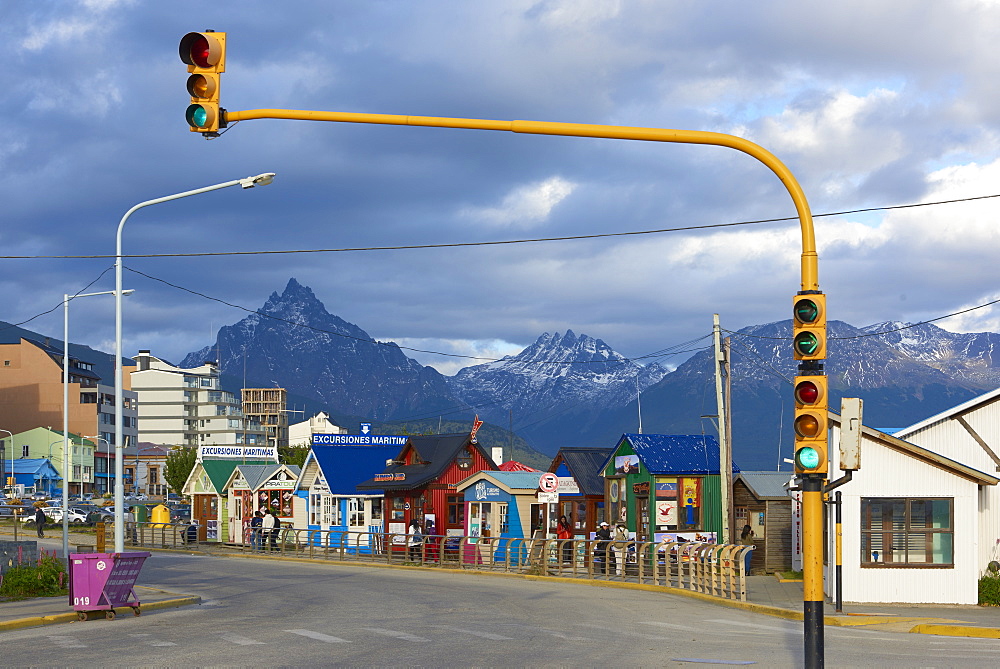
(810, 425)
(205, 55)
(809, 326)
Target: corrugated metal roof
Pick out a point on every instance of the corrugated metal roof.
(344, 467)
(766, 484)
(515, 466)
(585, 465)
(509, 480)
(437, 451)
(676, 453)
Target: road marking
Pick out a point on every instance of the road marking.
(395, 634)
(484, 635)
(241, 640)
(66, 642)
(319, 636)
(773, 628)
(672, 626)
(619, 633)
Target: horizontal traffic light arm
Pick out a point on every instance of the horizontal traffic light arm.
(810, 271)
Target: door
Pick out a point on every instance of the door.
(642, 518)
(206, 512)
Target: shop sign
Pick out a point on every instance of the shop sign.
(548, 498)
(640, 488)
(568, 486)
(382, 478)
(358, 440)
(241, 452)
(483, 491)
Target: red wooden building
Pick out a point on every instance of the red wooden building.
(419, 484)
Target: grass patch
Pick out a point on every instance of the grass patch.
(45, 578)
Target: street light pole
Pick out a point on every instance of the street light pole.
(67, 460)
(11, 457)
(248, 182)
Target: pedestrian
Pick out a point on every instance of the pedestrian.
(414, 541)
(268, 528)
(603, 536)
(564, 532)
(130, 529)
(747, 536)
(621, 546)
(255, 530)
(275, 529)
(40, 521)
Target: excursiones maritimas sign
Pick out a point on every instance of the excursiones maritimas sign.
(238, 452)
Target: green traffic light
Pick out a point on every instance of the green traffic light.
(807, 457)
(806, 343)
(806, 311)
(197, 116)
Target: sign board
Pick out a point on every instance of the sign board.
(238, 453)
(548, 498)
(358, 440)
(366, 428)
(548, 482)
(850, 433)
(568, 486)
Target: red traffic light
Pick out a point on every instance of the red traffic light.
(807, 392)
(204, 51)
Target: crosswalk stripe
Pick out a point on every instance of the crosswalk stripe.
(241, 640)
(484, 635)
(66, 642)
(403, 636)
(318, 636)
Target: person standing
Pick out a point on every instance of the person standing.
(255, 530)
(130, 528)
(40, 520)
(268, 530)
(621, 546)
(564, 532)
(603, 536)
(414, 541)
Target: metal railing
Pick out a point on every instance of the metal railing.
(718, 570)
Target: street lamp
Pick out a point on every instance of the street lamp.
(67, 460)
(248, 182)
(11, 458)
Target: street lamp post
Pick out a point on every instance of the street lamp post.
(99, 439)
(11, 457)
(67, 460)
(248, 182)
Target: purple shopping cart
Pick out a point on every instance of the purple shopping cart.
(104, 581)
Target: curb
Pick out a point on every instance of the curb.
(71, 617)
(957, 630)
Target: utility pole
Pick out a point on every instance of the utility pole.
(728, 480)
(725, 455)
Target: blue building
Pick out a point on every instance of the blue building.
(499, 512)
(328, 495)
(37, 473)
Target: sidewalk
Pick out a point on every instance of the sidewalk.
(786, 600)
(42, 611)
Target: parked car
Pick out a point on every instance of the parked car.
(39, 496)
(180, 513)
(174, 497)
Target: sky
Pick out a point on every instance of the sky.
(870, 105)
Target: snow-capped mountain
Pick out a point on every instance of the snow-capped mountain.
(554, 373)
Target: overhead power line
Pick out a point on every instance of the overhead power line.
(505, 241)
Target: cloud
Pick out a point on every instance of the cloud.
(525, 205)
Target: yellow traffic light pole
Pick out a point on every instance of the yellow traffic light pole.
(811, 484)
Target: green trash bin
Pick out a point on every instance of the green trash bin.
(141, 513)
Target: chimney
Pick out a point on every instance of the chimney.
(143, 360)
(498, 455)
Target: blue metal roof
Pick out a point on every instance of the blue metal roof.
(344, 467)
(672, 454)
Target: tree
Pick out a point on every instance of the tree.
(180, 462)
(292, 455)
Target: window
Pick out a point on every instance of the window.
(315, 507)
(24, 450)
(906, 532)
(502, 518)
(356, 509)
(456, 511)
(377, 510)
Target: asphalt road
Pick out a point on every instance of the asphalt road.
(273, 613)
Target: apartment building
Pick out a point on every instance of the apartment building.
(188, 407)
(268, 406)
(31, 393)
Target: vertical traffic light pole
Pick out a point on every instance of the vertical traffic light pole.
(809, 313)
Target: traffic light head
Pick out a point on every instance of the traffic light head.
(205, 55)
(809, 326)
(810, 425)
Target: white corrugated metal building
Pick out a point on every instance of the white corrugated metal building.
(918, 520)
